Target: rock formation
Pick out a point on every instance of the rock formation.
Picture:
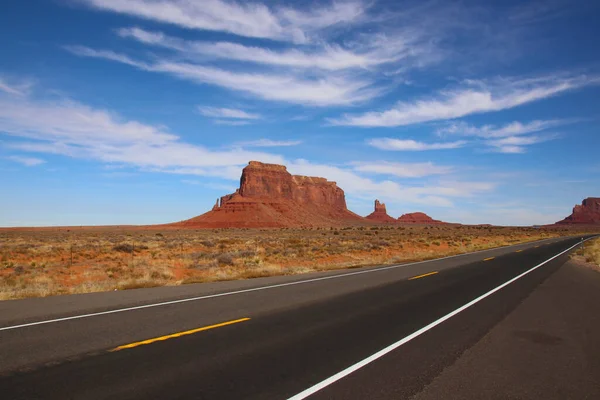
(418, 218)
(380, 214)
(269, 196)
(586, 213)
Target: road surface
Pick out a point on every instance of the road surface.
(414, 330)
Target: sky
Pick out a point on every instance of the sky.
(146, 111)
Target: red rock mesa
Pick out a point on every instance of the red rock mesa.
(418, 218)
(380, 214)
(269, 196)
(586, 213)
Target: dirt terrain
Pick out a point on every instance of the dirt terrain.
(49, 261)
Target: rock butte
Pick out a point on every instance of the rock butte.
(418, 218)
(380, 214)
(270, 197)
(588, 212)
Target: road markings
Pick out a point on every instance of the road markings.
(210, 296)
(488, 259)
(535, 247)
(423, 276)
(518, 251)
(342, 374)
(178, 334)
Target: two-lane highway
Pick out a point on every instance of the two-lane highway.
(326, 335)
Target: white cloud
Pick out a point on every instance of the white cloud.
(391, 144)
(490, 131)
(403, 170)
(477, 97)
(339, 89)
(27, 161)
(250, 19)
(230, 122)
(426, 195)
(215, 112)
(516, 144)
(76, 130)
(374, 50)
(20, 89)
(268, 143)
(510, 138)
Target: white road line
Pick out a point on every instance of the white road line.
(166, 303)
(323, 384)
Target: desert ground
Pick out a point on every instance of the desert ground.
(45, 262)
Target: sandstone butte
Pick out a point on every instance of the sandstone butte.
(418, 218)
(270, 197)
(586, 213)
(380, 214)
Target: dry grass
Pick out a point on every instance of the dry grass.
(64, 261)
(591, 252)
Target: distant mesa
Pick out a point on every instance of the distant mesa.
(418, 218)
(587, 213)
(270, 197)
(380, 214)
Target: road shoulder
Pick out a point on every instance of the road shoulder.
(548, 347)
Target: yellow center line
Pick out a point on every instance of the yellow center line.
(518, 251)
(536, 247)
(488, 259)
(178, 334)
(423, 276)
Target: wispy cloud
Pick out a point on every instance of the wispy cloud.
(17, 89)
(27, 161)
(439, 194)
(476, 97)
(232, 113)
(516, 144)
(510, 138)
(230, 122)
(268, 143)
(490, 131)
(76, 130)
(403, 170)
(392, 144)
(373, 50)
(250, 19)
(327, 90)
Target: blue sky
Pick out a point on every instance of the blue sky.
(145, 111)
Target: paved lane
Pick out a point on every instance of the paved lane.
(277, 341)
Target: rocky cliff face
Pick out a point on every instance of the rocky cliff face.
(269, 196)
(380, 214)
(586, 213)
(418, 218)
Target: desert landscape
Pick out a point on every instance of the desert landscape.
(274, 224)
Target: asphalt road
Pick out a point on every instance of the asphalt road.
(276, 337)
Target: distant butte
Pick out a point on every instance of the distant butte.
(587, 213)
(270, 197)
(418, 218)
(380, 214)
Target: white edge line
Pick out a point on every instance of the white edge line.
(166, 303)
(334, 378)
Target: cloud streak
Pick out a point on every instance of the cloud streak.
(391, 144)
(329, 90)
(379, 49)
(403, 170)
(249, 19)
(26, 161)
(268, 143)
(215, 112)
(478, 97)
